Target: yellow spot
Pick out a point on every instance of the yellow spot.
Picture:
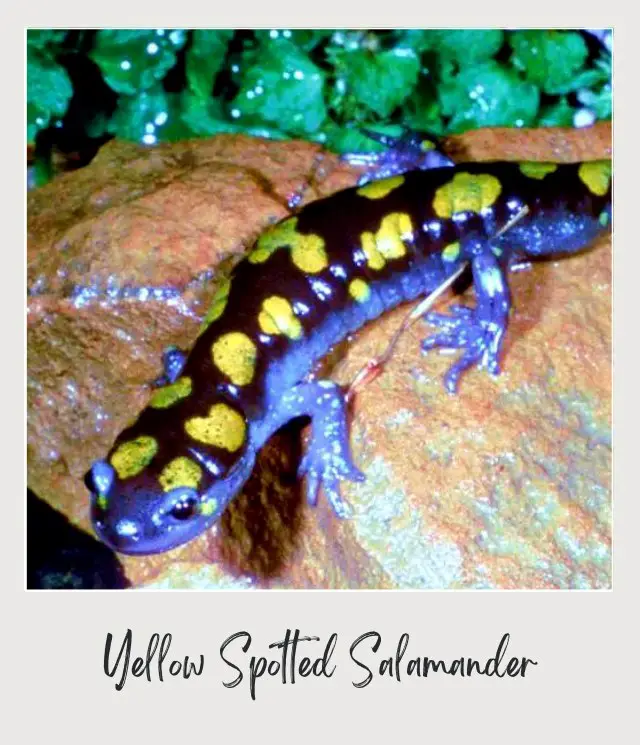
(451, 252)
(235, 355)
(102, 501)
(380, 189)
(427, 145)
(218, 304)
(374, 258)
(276, 317)
(224, 427)
(307, 251)
(309, 255)
(389, 242)
(466, 192)
(596, 175)
(130, 458)
(171, 394)
(359, 290)
(181, 471)
(209, 507)
(533, 169)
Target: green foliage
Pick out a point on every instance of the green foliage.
(148, 116)
(134, 61)
(559, 114)
(49, 89)
(281, 86)
(205, 60)
(320, 84)
(488, 95)
(466, 46)
(552, 60)
(377, 81)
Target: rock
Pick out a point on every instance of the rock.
(505, 485)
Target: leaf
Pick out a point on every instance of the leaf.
(304, 39)
(599, 102)
(150, 117)
(206, 118)
(41, 38)
(133, 61)
(489, 95)
(550, 59)
(281, 85)
(379, 81)
(49, 91)
(559, 114)
(466, 46)
(422, 112)
(415, 39)
(205, 58)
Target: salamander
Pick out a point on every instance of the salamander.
(308, 282)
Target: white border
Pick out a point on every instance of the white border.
(582, 687)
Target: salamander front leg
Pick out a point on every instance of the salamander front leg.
(328, 457)
(478, 332)
(411, 150)
(173, 361)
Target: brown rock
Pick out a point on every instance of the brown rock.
(505, 485)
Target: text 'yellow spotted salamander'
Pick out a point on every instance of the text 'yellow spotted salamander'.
(307, 283)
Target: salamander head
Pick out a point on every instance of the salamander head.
(151, 496)
(170, 475)
(134, 516)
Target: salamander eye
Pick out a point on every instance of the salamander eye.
(184, 509)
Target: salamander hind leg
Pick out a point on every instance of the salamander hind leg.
(328, 458)
(478, 332)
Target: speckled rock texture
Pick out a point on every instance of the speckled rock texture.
(506, 485)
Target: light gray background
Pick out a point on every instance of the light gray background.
(581, 689)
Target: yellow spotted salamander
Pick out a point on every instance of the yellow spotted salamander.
(308, 282)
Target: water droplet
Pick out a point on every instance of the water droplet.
(583, 118)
